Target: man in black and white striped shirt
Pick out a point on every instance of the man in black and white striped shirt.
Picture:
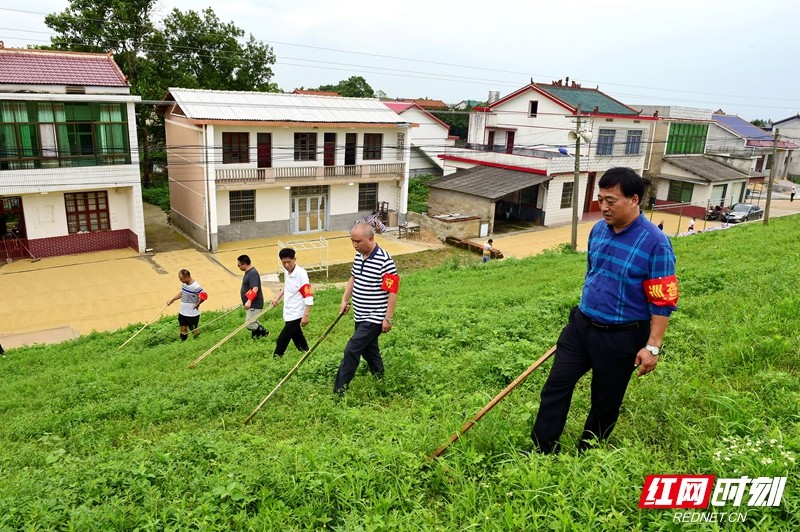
(373, 286)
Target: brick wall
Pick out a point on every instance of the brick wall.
(84, 243)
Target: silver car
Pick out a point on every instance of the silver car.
(742, 212)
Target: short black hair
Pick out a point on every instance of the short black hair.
(286, 253)
(630, 183)
(243, 259)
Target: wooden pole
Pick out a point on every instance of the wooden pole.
(299, 363)
(145, 325)
(236, 330)
(499, 397)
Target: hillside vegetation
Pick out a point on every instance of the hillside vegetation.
(96, 438)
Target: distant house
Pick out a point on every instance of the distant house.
(69, 166)
(313, 92)
(523, 131)
(700, 159)
(426, 103)
(734, 134)
(428, 139)
(247, 165)
(790, 128)
(466, 104)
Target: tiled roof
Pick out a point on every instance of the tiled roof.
(590, 100)
(315, 92)
(398, 107)
(755, 136)
(488, 182)
(707, 169)
(212, 105)
(427, 104)
(50, 67)
(401, 107)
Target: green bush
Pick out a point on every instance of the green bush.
(157, 194)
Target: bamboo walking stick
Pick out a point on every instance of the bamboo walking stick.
(237, 307)
(299, 363)
(499, 397)
(145, 325)
(236, 330)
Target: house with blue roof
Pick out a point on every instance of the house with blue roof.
(789, 129)
(736, 135)
(523, 131)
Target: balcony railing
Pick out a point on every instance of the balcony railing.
(296, 174)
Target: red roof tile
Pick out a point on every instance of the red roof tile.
(50, 67)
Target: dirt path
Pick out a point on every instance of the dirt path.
(160, 235)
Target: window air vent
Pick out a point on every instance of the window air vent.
(609, 119)
(76, 89)
(637, 121)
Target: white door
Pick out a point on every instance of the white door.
(308, 214)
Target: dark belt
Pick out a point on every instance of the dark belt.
(617, 326)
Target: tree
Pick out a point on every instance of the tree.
(194, 51)
(763, 124)
(354, 87)
(190, 50)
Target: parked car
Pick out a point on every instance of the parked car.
(742, 212)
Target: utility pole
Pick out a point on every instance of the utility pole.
(574, 241)
(771, 175)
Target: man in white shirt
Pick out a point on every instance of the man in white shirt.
(298, 299)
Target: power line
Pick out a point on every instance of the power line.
(473, 67)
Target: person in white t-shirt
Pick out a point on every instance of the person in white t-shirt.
(487, 250)
(298, 298)
(192, 296)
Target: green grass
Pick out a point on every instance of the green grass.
(96, 438)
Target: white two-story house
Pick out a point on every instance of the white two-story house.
(69, 166)
(428, 139)
(522, 132)
(245, 165)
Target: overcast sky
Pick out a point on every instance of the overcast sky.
(735, 55)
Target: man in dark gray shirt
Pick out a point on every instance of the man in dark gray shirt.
(252, 297)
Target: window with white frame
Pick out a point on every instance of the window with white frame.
(633, 144)
(566, 195)
(533, 108)
(243, 205)
(605, 141)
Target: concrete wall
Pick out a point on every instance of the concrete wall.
(187, 178)
(463, 228)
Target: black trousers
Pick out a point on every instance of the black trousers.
(292, 331)
(364, 342)
(581, 347)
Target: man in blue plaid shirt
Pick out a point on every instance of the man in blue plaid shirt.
(628, 295)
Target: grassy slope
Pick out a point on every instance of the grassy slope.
(92, 437)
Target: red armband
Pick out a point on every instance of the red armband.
(203, 296)
(306, 290)
(662, 291)
(391, 283)
(250, 294)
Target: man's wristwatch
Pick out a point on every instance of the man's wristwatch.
(653, 349)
